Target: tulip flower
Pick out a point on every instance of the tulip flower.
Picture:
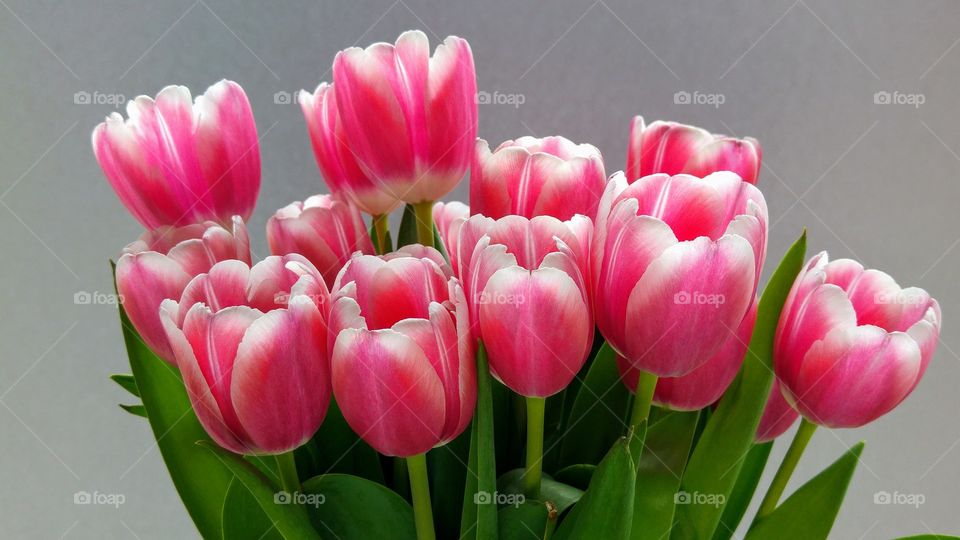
(160, 265)
(173, 162)
(448, 218)
(676, 262)
(672, 148)
(777, 417)
(251, 344)
(531, 177)
(704, 385)
(324, 229)
(336, 159)
(409, 118)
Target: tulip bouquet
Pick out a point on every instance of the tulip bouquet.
(571, 356)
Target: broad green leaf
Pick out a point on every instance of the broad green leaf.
(136, 410)
(200, 478)
(561, 495)
(353, 508)
(127, 382)
(599, 410)
(479, 521)
(290, 520)
(243, 519)
(606, 508)
(743, 490)
(447, 466)
(809, 513)
(408, 227)
(528, 521)
(335, 448)
(577, 475)
(665, 452)
(715, 462)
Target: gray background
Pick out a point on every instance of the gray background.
(871, 181)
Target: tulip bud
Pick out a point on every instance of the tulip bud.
(161, 263)
(448, 218)
(173, 162)
(536, 177)
(672, 148)
(250, 343)
(851, 344)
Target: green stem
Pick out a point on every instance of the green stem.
(287, 466)
(420, 489)
(787, 466)
(536, 408)
(380, 229)
(424, 214)
(646, 384)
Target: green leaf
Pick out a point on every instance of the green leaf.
(528, 521)
(127, 382)
(809, 513)
(408, 227)
(136, 410)
(743, 490)
(201, 479)
(354, 508)
(561, 495)
(289, 519)
(665, 452)
(607, 506)
(243, 519)
(447, 466)
(335, 448)
(479, 521)
(715, 462)
(597, 418)
(578, 475)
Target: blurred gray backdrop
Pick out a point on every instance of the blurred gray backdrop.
(855, 104)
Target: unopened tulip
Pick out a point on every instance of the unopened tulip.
(409, 119)
(672, 148)
(174, 162)
(703, 386)
(161, 263)
(531, 177)
(402, 357)
(851, 344)
(448, 217)
(336, 159)
(777, 417)
(324, 229)
(676, 262)
(251, 344)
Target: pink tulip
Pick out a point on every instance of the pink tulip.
(527, 285)
(777, 417)
(324, 229)
(704, 385)
(336, 158)
(173, 162)
(403, 365)
(676, 262)
(851, 344)
(251, 345)
(449, 217)
(161, 263)
(672, 148)
(536, 177)
(409, 119)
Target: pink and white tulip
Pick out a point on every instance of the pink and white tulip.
(527, 285)
(531, 177)
(409, 118)
(403, 360)
(449, 217)
(324, 229)
(160, 265)
(676, 262)
(251, 344)
(673, 148)
(851, 344)
(777, 417)
(174, 162)
(335, 157)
